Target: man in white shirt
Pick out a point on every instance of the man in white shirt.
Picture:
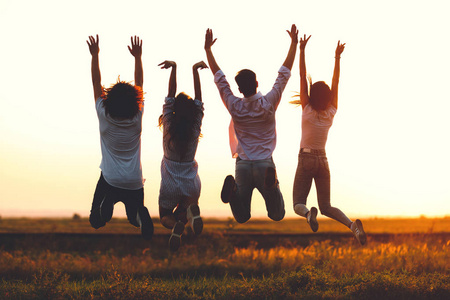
(252, 135)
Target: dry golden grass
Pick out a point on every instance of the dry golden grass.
(403, 259)
(288, 225)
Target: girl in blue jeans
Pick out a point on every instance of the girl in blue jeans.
(319, 108)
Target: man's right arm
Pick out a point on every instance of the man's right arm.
(209, 41)
(219, 78)
(289, 61)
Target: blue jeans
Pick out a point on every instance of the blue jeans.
(250, 174)
(315, 166)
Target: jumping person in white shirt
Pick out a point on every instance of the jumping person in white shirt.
(119, 110)
(181, 122)
(252, 135)
(319, 108)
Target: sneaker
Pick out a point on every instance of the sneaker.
(194, 219)
(95, 219)
(270, 178)
(229, 187)
(145, 222)
(358, 231)
(312, 219)
(106, 209)
(175, 237)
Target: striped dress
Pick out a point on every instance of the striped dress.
(179, 177)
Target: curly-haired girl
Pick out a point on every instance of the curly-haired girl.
(119, 110)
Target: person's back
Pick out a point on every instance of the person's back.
(119, 110)
(121, 148)
(252, 135)
(319, 108)
(180, 187)
(181, 134)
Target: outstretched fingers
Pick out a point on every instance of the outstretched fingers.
(93, 44)
(136, 46)
(209, 39)
(137, 42)
(339, 48)
(293, 33)
(304, 41)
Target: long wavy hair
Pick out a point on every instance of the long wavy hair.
(123, 100)
(181, 128)
(320, 95)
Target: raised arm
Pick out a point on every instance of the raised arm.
(167, 64)
(136, 51)
(197, 86)
(209, 41)
(304, 97)
(334, 85)
(95, 68)
(289, 61)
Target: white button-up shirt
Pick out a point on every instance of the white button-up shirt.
(252, 128)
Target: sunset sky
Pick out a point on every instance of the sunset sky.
(388, 148)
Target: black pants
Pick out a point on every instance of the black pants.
(133, 199)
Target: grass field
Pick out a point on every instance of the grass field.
(66, 259)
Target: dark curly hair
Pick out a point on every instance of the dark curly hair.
(123, 100)
(181, 128)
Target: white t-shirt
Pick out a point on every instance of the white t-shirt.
(252, 129)
(121, 149)
(315, 126)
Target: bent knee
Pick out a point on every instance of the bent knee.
(278, 216)
(325, 210)
(242, 219)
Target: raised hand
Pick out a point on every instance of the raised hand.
(167, 64)
(136, 46)
(339, 49)
(93, 45)
(303, 42)
(293, 34)
(200, 65)
(209, 39)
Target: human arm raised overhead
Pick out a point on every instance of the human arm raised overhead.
(167, 64)
(209, 41)
(304, 97)
(289, 61)
(335, 83)
(197, 86)
(136, 51)
(95, 68)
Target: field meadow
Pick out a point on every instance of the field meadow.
(67, 259)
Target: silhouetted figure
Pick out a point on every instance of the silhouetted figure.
(252, 135)
(319, 108)
(181, 121)
(119, 110)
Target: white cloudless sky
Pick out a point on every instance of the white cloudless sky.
(388, 148)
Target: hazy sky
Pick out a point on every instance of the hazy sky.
(388, 148)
